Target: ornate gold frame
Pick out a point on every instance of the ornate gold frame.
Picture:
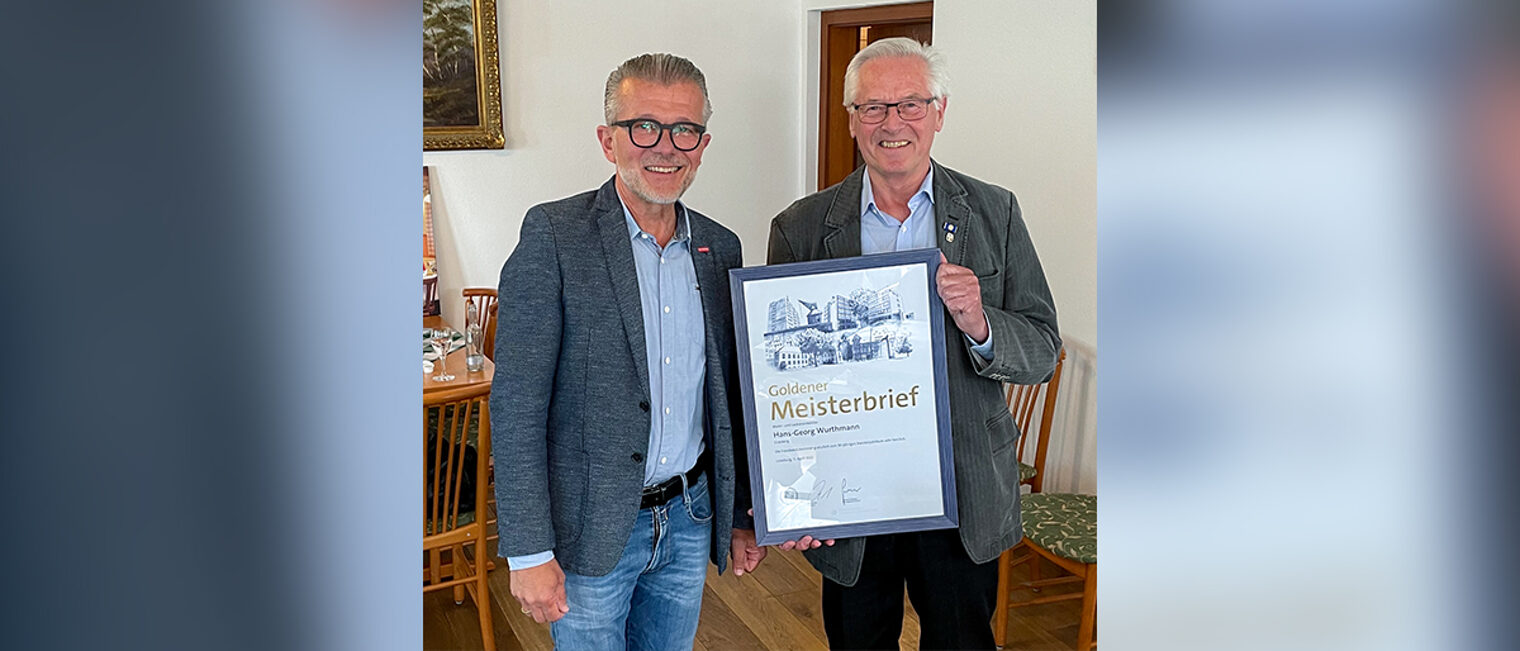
(488, 92)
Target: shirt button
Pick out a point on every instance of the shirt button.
(662, 260)
(667, 309)
(667, 360)
(662, 459)
(667, 410)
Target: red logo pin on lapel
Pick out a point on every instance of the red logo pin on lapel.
(701, 249)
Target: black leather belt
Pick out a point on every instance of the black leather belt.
(665, 491)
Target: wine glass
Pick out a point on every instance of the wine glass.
(441, 339)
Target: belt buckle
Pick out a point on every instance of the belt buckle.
(660, 492)
(670, 488)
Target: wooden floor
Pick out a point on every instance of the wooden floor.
(776, 607)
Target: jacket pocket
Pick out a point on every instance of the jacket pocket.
(1001, 432)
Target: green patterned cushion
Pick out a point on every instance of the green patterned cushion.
(1026, 472)
(1063, 523)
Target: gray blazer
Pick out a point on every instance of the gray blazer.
(570, 398)
(991, 239)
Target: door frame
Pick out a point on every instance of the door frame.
(833, 28)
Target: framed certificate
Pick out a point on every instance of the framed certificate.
(846, 406)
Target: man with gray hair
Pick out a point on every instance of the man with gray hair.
(613, 407)
(1002, 328)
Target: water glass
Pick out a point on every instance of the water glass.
(441, 339)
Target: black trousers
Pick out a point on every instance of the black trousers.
(953, 596)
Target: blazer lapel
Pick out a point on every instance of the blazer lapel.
(617, 247)
(707, 279)
(950, 215)
(841, 226)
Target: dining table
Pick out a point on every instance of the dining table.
(455, 364)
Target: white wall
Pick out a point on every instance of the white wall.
(1022, 114)
(555, 57)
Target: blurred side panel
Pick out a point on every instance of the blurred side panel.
(210, 417)
(1291, 416)
(1486, 130)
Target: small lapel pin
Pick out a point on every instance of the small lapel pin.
(949, 232)
(701, 249)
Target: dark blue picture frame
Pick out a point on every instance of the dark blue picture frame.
(742, 339)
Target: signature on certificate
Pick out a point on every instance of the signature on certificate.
(850, 495)
(821, 491)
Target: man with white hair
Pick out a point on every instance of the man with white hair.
(1002, 328)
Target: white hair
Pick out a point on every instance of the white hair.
(663, 69)
(939, 81)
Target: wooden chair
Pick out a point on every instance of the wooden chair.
(1061, 528)
(450, 518)
(1025, 400)
(484, 299)
(430, 296)
(1033, 408)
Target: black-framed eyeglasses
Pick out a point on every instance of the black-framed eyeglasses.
(908, 109)
(685, 136)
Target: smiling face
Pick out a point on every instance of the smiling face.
(894, 149)
(660, 174)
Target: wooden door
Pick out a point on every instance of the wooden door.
(844, 33)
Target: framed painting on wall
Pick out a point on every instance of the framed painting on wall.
(461, 81)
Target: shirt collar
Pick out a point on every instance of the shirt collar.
(683, 224)
(868, 198)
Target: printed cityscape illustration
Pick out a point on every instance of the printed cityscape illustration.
(865, 325)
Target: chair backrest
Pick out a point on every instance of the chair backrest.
(484, 299)
(1031, 401)
(456, 444)
(430, 296)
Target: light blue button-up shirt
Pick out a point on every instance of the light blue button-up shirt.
(674, 345)
(882, 233)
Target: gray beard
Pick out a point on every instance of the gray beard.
(631, 178)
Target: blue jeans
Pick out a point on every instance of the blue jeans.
(652, 599)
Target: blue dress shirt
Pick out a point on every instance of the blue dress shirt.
(882, 233)
(674, 342)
